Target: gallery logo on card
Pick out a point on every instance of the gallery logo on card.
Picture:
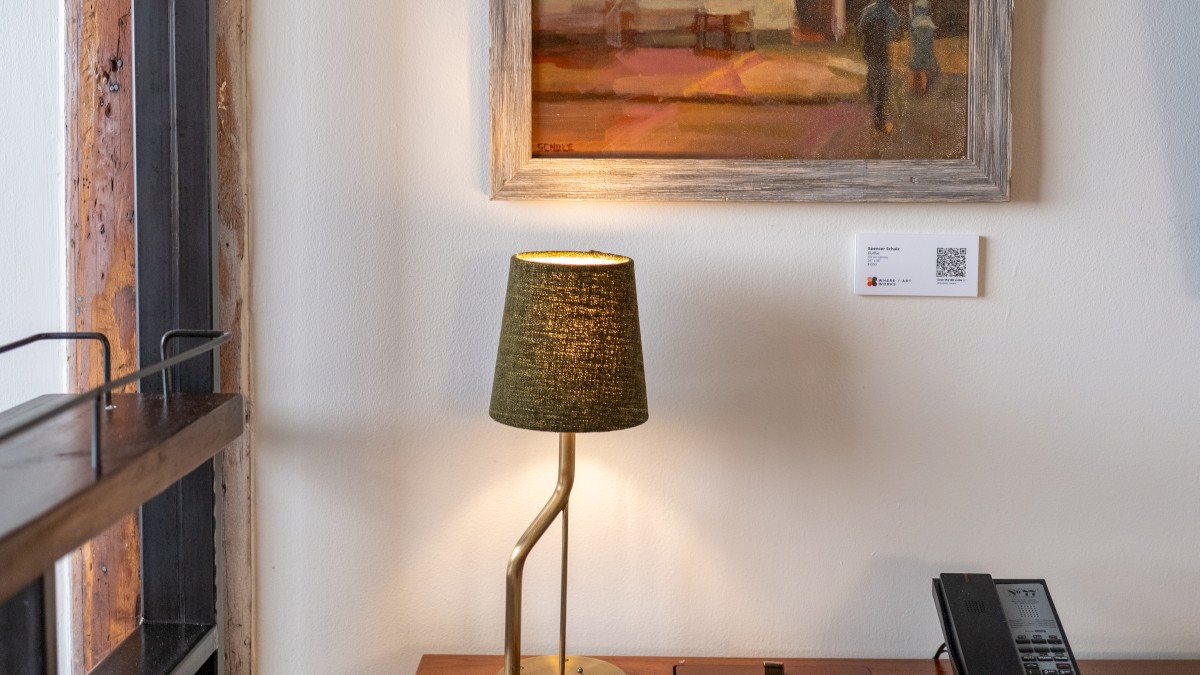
(871, 281)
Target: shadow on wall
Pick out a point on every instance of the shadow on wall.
(387, 504)
(1173, 27)
(886, 588)
(763, 369)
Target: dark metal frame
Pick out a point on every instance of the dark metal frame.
(105, 400)
(174, 103)
(180, 333)
(173, 106)
(103, 392)
(24, 643)
(105, 346)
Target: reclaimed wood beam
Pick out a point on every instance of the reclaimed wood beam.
(102, 287)
(236, 559)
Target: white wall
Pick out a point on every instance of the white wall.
(32, 230)
(812, 458)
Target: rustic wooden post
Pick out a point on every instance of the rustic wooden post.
(101, 283)
(235, 562)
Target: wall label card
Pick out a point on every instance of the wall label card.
(916, 264)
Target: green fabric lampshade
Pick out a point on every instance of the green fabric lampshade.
(570, 357)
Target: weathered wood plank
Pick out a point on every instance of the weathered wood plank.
(49, 502)
(236, 611)
(100, 187)
(235, 560)
(983, 176)
(232, 191)
(106, 590)
(101, 272)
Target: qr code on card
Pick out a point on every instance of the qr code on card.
(952, 262)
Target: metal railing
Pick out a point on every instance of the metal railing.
(101, 397)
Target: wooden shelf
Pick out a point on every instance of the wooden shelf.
(174, 648)
(50, 502)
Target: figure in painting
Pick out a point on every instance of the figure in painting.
(923, 61)
(877, 29)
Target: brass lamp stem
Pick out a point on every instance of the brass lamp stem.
(516, 562)
(562, 602)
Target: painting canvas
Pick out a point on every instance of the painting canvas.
(751, 100)
(750, 79)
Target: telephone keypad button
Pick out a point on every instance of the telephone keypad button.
(1025, 650)
(1042, 650)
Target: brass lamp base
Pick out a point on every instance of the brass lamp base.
(576, 665)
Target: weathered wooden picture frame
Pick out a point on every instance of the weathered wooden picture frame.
(982, 175)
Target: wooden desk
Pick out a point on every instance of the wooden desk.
(447, 664)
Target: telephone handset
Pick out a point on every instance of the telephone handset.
(1001, 626)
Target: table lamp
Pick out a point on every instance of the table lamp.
(570, 361)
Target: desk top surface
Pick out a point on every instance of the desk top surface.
(454, 664)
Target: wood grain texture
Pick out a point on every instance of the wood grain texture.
(236, 612)
(49, 501)
(107, 590)
(100, 204)
(447, 664)
(983, 176)
(235, 560)
(102, 286)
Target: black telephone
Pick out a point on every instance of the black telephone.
(1001, 626)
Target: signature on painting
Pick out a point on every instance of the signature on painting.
(554, 147)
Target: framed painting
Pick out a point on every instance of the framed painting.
(755, 100)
